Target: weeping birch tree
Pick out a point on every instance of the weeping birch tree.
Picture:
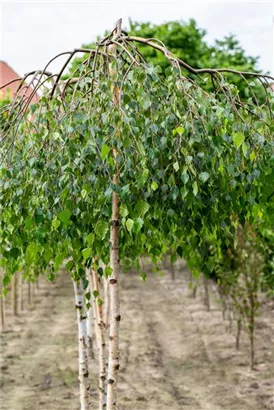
(118, 162)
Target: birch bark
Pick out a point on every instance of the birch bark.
(14, 294)
(114, 296)
(3, 306)
(100, 332)
(30, 294)
(90, 320)
(83, 344)
(106, 302)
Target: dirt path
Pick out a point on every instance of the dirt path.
(174, 354)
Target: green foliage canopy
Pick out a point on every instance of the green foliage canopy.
(188, 161)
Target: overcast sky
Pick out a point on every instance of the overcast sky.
(33, 32)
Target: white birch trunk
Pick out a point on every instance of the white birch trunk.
(114, 317)
(90, 320)
(114, 296)
(14, 294)
(83, 345)
(100, 334)
(30, 294)
(22, 295)
(106, 302)
(20, 292)
(3, 306)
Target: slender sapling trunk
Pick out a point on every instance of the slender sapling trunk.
(30, 295)
(206, 295)
(106, 302)
(3, 305)
(239, 329)
(90, 320)
(114, 317)
(100, 331)
(83, 344)
(14, 294)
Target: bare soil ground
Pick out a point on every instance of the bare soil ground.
(174, 353)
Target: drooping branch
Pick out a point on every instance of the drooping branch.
(131, 57)
(192, 70)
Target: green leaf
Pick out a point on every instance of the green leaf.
(238, 138)
(100, 271)
(48, 255)
(178, 130)
(195, 188)
(154, 185)
(101, 229)
(69, 266)
(138, 224)
(64, 216)
(185, 178)
(28, 223)
(32, 253)
(141, 148)
(14, 253)
(108, 271)
(129, 225)
(203, 176)
(126, 98)
(51, 277)
(252, 156)
(143, 177)
(123, 211)
(90, 239)
(143, 276)
(141, 208)
(105, 151)
(180, 251)
(95, 293)
(6, 280)
(86, 253)
(58, 260)
(176, 166)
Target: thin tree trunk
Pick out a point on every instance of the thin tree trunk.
(223, 302)
(172, 270)
(194, 288)
(93, 304)
(114, 317)
(106, 302)
(239, 328)
(22, 294)
(101, 342)
(14, 294)
(230, 316)
(90, 320)
(83, 343)
(252, 331)
(3, 305)
(206, 296)
(3, 313)
(165, 261)
(252, 350)
(114, 296)
(29, 294)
